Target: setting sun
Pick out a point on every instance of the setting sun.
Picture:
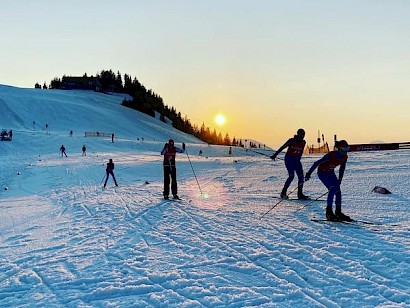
(220, 119)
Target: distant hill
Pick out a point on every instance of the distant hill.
(79, 110)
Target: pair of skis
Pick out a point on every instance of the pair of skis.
(319, 220)
(354, 221)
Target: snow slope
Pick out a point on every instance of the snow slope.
(65, 242)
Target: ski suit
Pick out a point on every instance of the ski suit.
(292, 161)
(62, 149)
(110, 170)
(326, 173)
(169, 152)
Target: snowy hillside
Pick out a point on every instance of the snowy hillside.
(65, 242)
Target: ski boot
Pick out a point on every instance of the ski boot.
(331, 216)
(301, 196)
(342, 216)
(176, 197)
(283, 194)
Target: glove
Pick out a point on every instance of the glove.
(307, 176)
(273, 156)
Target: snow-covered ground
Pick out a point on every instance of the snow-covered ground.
(65, 242)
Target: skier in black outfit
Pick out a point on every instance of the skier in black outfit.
(169, 152)
(62, 149)
(110, 170)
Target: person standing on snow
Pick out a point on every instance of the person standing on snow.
(326, 172)
(169, 152)
(110, 170)
(62, 149)
(84, 149)
(293, 155)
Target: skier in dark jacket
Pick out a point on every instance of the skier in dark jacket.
(293, 155)
(110, 170)
(84, 149)
(169, 152)
(62, 149)
(326, 172)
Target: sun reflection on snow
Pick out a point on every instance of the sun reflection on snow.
(213, 197)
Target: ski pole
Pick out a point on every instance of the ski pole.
(299, 209)
(102, 179)
(281, 200)
(193, 171)
(264, 154)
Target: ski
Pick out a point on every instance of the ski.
(172, 199)
(343, 221)
(297, 199)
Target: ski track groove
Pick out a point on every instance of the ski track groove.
(322, 301)
(375, 276)
(205, 221)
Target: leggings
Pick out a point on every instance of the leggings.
(293, 165)
(332, 183)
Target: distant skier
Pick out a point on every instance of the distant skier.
(326, 173)
(169, 152)
(293, 155)
(62, 150)
(110, 170)
(71, 133)
(84, 150)
(112, 137)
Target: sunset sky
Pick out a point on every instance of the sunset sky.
(269, 66)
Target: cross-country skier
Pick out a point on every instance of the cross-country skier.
(62, 149)
(169, 152)
(293, 155)
(326, 172)
(84, 149)
(110, 170)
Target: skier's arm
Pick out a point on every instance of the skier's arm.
(165, 149)
(315, 165)
(341, 171)
(285, 145)
(178, 150)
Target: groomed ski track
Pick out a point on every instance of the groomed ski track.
(74, 244)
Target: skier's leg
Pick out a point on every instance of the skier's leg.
(166, 181)
(174, 187)
(330, 181)
(113, 176)
(291, 175)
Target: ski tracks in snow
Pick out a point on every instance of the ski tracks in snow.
(125, 246)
